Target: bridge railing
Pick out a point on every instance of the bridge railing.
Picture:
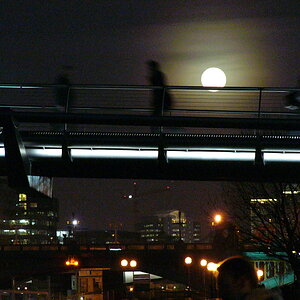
(187, 101)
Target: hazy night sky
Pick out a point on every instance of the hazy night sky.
(256, 43)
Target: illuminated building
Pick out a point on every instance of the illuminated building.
(169, 226)
(28, 216)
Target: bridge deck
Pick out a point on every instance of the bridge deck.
(110, 131)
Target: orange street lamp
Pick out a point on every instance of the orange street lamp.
(188, 260)
(218, 218)
(212, 267)
(203, 262)
(72, 261)
(124, 263)
(259, 273)
(133, 263)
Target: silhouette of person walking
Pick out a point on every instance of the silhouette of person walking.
(161, 99)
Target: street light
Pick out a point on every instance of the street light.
(212, 267)
(124, 263)
(133, 263)
(72, 261)
(129, 264)
(259, 274)
(203, 262)
(188, 260)
(75, 222)
(218, 218)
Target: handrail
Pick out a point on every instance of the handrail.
(146, 87)
(131, 101)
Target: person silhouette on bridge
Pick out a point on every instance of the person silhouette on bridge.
(161, 99)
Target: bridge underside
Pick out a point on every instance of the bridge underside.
(215, 149)
(144, 156)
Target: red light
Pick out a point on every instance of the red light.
(125, 196)
(135, 183)
(168, 187)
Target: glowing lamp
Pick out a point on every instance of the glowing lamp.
(75, 222)
(188, 260)
(212, 267)
(133, 263)
(124, 262)
(203, 262)
(72, 262)
(218, 218)
(259, 273)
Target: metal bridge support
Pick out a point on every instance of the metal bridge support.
(259, 157)
(66, 153)
(162, 153)
(17, 162)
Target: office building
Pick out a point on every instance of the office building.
(169, 226)
(29, 216)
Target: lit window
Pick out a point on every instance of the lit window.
(24, 205)
(26, 222)
(22, 231)
(22, 197)
(33, 204)
(9, 231)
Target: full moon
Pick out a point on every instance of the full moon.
(213, 77)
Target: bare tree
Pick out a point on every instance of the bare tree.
(267, 216)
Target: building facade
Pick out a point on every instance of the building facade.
(169, 226)
(29, 216)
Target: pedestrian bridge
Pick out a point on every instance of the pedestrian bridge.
(232, 133)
